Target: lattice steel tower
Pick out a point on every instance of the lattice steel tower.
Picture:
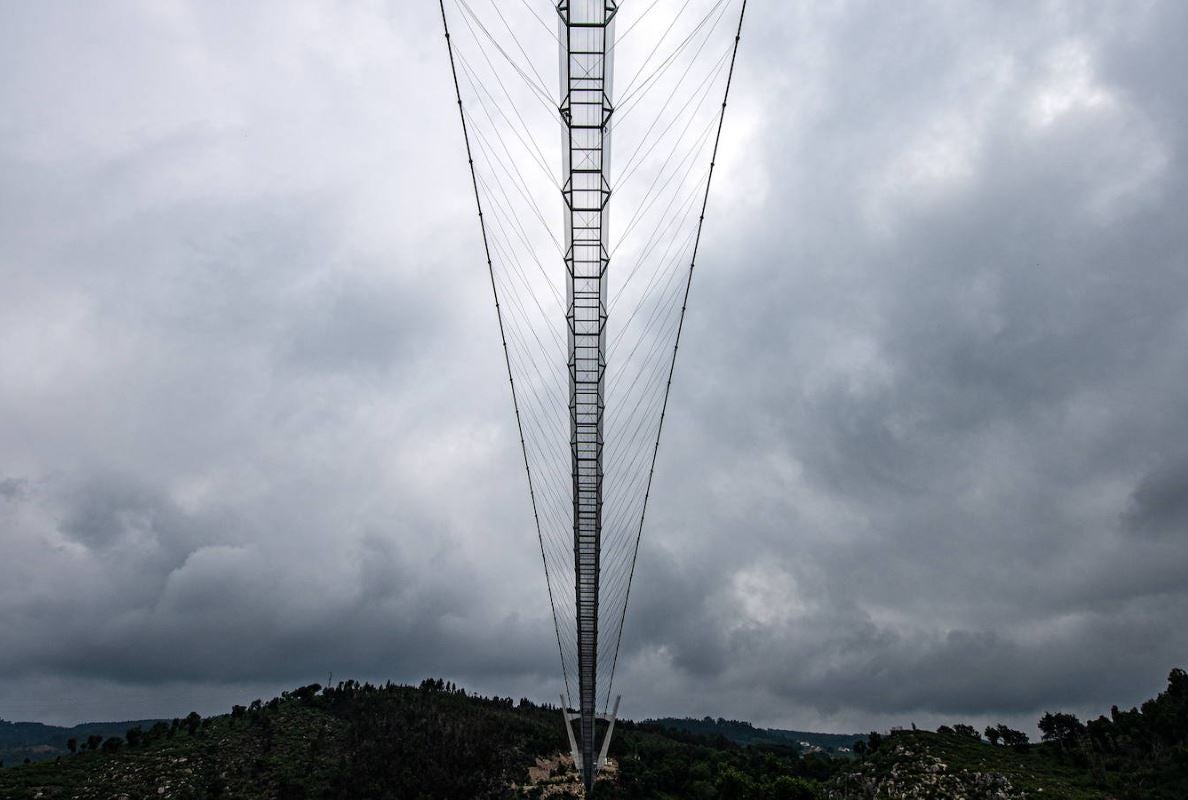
(587, 34)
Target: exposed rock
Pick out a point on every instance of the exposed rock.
(917, 776)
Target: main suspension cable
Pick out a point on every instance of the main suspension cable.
(503, 339)
(672, 364)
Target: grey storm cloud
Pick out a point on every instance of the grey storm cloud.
(1159, 504)
(924, 459)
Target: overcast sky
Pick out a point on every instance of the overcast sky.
(925, 460)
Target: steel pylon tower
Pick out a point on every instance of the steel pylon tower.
(586, 42)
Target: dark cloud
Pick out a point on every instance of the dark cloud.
(929, 400)
(1159, 504)
(13, 488)
(923, 460)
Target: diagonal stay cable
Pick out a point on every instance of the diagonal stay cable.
(706, 85)
(502, 337)
(480, 89)
(539, 90)
(514, 108)
(631, 99)
(516, 39)
(680, 13)
(631, 27)
(680, 326)
(620, 37)
(551, 32)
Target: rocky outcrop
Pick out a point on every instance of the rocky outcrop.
(910, 774)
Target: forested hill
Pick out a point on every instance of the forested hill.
(355, 741)
(38, 742)
(745, 733)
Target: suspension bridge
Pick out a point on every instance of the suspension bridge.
(591, 350)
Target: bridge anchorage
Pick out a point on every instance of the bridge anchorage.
(580, 758)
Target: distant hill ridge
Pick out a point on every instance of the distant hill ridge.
(37, 741)
(746, 734)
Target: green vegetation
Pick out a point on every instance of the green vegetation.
(37, 742)
(431, 741)
(351, 741)
(1130, 755)
(951, 765)
(745, 733)
(434, 741)
(660, 762)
